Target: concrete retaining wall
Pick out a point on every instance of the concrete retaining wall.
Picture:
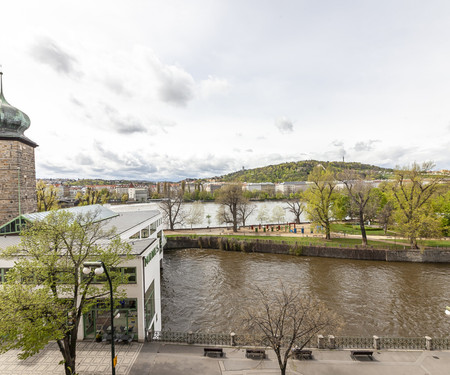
(431, 255)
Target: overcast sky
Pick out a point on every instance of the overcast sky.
(164, 90)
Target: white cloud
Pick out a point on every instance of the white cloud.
(214, 86)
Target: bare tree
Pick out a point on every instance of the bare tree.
(278, 214)
(245, 209)
(172, 208)
(230, 198)
(263, 214)
(195, 214)
(287, 319)
(297, 208)
(385, 215)
(361, 197)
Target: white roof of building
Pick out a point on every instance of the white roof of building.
(126, 220)
(101, 212)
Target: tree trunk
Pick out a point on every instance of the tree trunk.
(234, 213)
(68, 355)
(363, 228)
(327, 231)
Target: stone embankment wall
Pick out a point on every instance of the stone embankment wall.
(266, 246)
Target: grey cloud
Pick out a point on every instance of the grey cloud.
(365, 146)
(48, 52)
(106, 153)
(176, 85)
(337, 143)
(84, 159)
(284, 125)
(76, 101)
(249, 150)
(123, 124)
(117, 86)
(58, 169)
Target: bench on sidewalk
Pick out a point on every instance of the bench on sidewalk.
(356, 354)
(213, 352)
(255, 353)
(302, 354)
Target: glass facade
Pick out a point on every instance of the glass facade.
(149, 305)
(3, 272)
(98, 319)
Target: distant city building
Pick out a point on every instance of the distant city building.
(17, 162)
(267, 187)
(293, 187)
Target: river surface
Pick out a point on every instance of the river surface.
(210, 209)
(203, 290)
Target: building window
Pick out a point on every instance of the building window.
(127, 275)
(135, 236)
(149, 305)
(98, 319)
(145, 233)
(3, 272)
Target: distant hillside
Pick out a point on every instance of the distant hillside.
(299, 171)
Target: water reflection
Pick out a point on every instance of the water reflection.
(203, 290)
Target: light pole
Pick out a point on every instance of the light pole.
(99, 269)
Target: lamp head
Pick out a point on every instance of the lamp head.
(99, 270)
(86, 270)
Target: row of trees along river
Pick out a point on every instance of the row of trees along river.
(414, 204)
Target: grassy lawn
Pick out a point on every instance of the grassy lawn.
(428, 243)
(354, 229)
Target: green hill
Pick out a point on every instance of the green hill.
(299, 171)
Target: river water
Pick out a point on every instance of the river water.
(211, 208)
(203, 290)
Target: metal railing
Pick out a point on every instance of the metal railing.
(321, 342)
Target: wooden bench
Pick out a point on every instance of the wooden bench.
(355, 354)
(255, 353)
(215, 352)
(302, 354)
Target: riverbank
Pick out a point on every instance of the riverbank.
(207, 239)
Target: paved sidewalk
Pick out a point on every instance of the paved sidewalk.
(172, 359)
(92, 359)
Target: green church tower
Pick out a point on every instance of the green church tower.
(17, 163)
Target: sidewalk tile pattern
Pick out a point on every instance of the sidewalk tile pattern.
(92, 358)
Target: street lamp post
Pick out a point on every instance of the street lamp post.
(99, 269)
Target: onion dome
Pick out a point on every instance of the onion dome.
(13, 122)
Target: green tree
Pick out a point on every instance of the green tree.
(413, 190)
(45, 295)
(230, 197)
(47, 196)
(441, 206)
(320, 197)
